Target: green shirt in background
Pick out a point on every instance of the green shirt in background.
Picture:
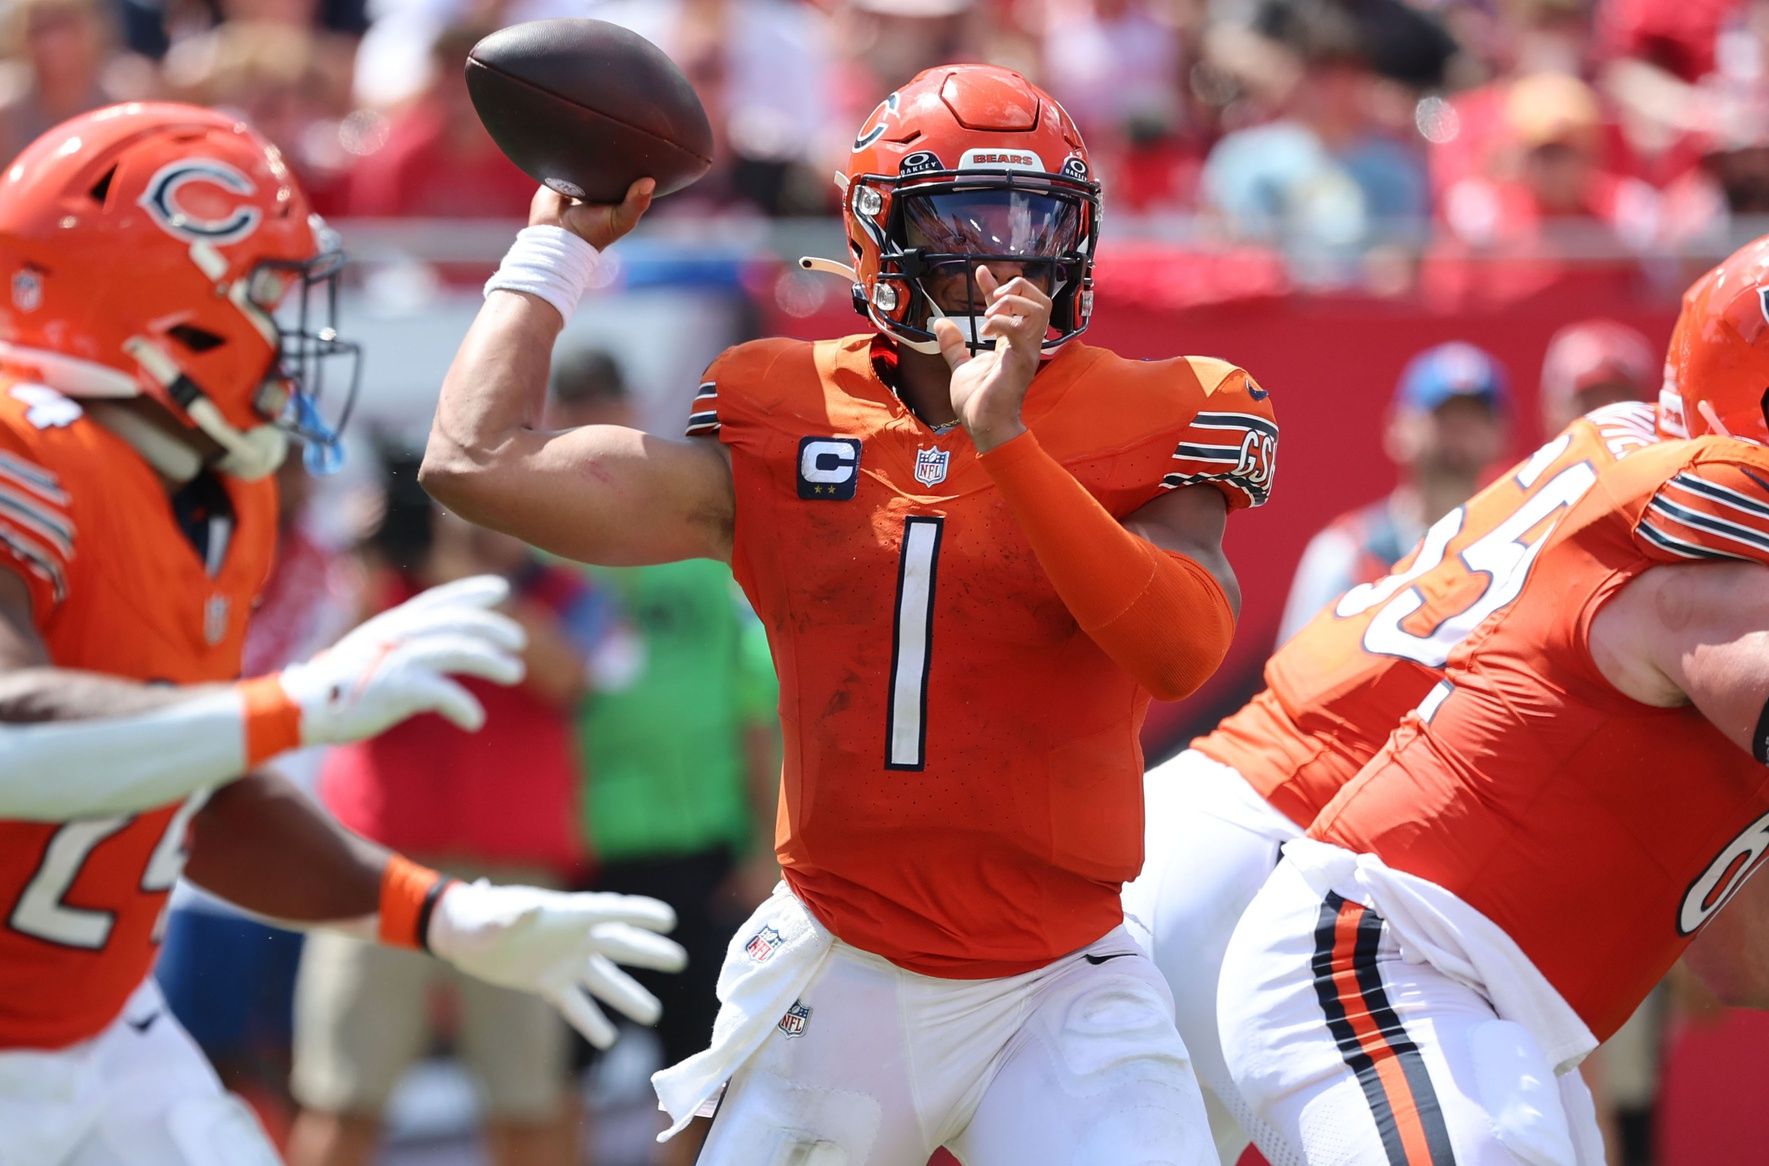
(664, 758)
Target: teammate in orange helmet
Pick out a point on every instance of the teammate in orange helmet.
(1553, 824)
(978, 546)
(147, 391)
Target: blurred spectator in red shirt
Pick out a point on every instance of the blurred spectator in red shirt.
(1718, 127)
(1677, 36)
(1547, 170)
(1550, 218)
(1471, 132)
(1594, 363)
(436, 159)
(59, 58)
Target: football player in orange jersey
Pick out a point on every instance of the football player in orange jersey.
(147, 391)
(1218, 813)
(1535, 844)
(978, 546)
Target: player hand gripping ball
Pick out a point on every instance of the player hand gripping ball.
(562, 947)
(988, 387)
(398, 664)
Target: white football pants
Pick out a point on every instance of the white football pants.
(1073, 1064)
(1360, 1058)
(137, 1094)
(1209, 844)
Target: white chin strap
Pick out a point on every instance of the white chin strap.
(176, 459)
(966, 324)
(251, 453)
(1712, 417)
(829, 267)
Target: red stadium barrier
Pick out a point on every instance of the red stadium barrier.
(1711, 1091)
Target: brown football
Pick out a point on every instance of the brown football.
(587, 107)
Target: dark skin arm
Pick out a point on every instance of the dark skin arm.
(32, 690)
(1190, 521)
(263, 845)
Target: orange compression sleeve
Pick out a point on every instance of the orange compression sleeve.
(1160, 616)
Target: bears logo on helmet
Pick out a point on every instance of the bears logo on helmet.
(228, 219)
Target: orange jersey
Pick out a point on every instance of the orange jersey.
(1599, 833)
(116, 588)
(962, 787)
(1337, 687)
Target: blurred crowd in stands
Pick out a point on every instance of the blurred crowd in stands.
(1340, 132)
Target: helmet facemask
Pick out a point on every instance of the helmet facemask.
(934, 229)
(298, 395)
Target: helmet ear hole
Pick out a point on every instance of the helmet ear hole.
(101, 189)
(196, 340)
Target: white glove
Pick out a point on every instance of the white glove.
(560, 946)
(397, 664)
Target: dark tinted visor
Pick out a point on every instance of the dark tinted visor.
(1003, 222)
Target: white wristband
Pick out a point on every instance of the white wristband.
(549, 262)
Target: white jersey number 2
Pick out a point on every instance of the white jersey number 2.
(42, 910)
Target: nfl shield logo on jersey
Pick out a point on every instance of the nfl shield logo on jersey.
(793, 1023)
(930, 466)
(763, 944)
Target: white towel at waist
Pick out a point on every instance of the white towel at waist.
(768, 964)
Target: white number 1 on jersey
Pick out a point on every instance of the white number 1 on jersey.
(912, 642)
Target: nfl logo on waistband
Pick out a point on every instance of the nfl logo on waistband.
(762, 944)
(930, 466)
(793, 1023)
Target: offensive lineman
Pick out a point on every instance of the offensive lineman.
(1499, 887)
(147, 391)
(977, 547)
(1218, 813)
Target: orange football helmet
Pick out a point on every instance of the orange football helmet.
(967, 163)
(1717, 369)
(147, 248)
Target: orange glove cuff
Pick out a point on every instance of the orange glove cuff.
(272, 720)
(1158, 615)
(408, 896)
